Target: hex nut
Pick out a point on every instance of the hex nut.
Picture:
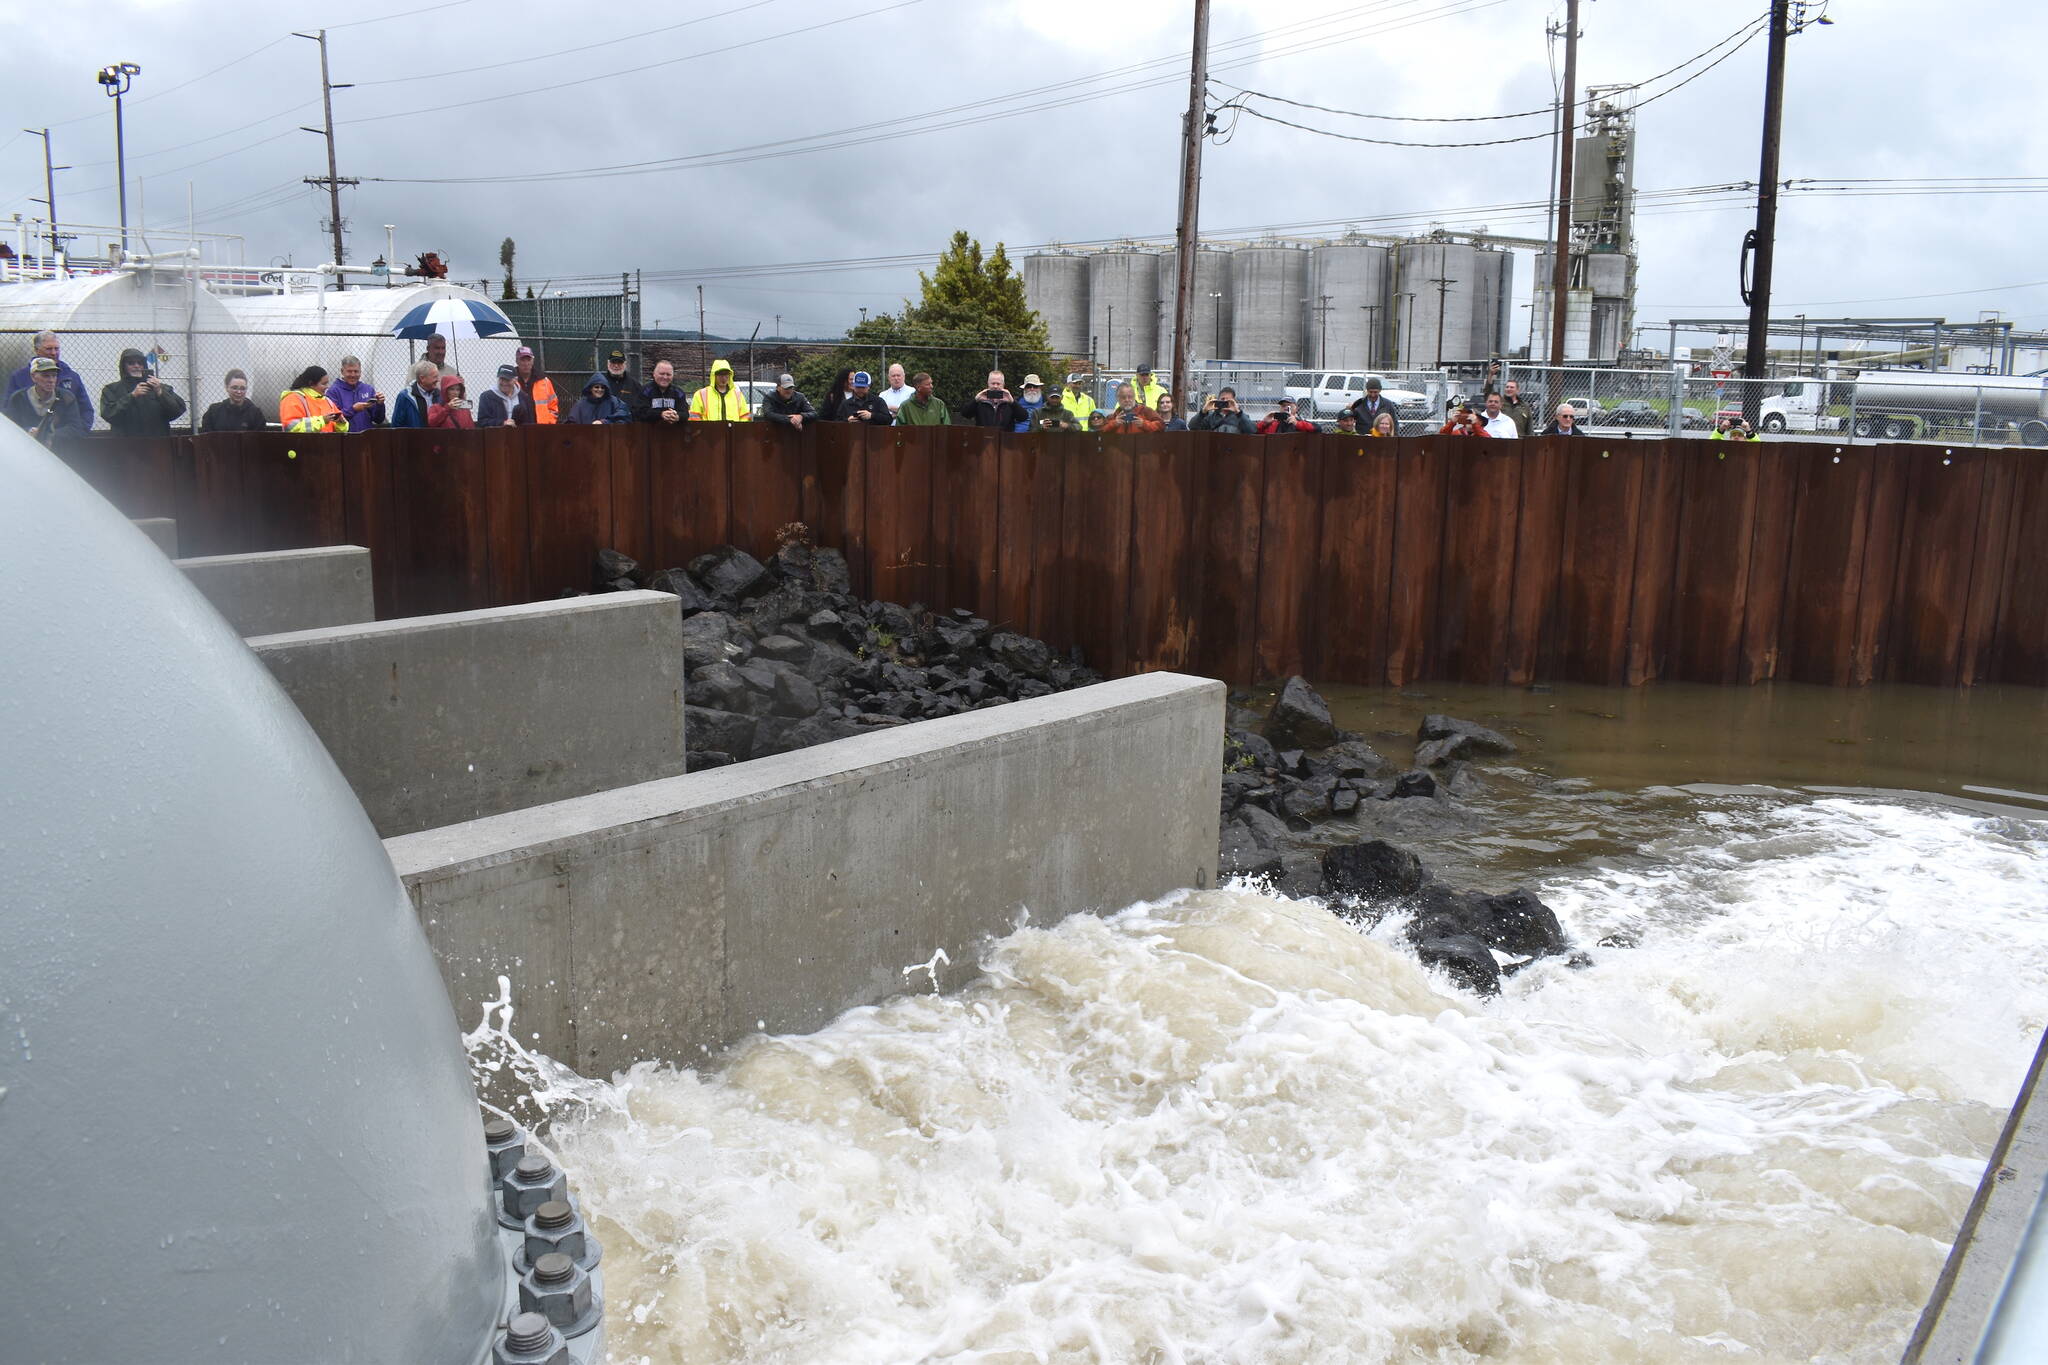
(533, 1182)
(517, 1346)
(567, 1235)
(559, 1288)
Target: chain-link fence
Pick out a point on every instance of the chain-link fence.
(1874, 405)
(195, 364)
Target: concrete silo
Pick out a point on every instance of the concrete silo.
(1493, 294)
(1347, 314)
(1056, 286)
(1268, 285)
(1123, 308)
(1209, 317)
(1436, 283)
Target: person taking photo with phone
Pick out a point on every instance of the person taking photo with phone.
(139, 403)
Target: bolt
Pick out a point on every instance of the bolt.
(555, 1226)
(533, 1182)
(559, 1288)
(530, 1339)
(506, 1145)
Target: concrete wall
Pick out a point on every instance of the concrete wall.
(162, 530)
(280, 590)
(440, 719)
(1990, 1302)
(659, 920)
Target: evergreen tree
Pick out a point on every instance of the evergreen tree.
(970, 317)
(506, 250)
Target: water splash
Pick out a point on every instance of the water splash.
(1228, 1127)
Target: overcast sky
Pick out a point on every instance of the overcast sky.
(1892, 89)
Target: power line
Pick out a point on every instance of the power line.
(862, 134)
(1242, 107)
(637, 70)
(640, 37)
(1545, 112)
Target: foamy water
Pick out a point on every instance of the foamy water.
(1228, 1127)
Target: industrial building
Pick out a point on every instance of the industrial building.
(1600, 268)
(1355, 301)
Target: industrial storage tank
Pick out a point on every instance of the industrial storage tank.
(1123, 308)
(1492, 297)
(1209, 317)
(1056, 287)
(291, 331)
(1347, 314)
(96, 316)
(1268, 285)
(1436, 282)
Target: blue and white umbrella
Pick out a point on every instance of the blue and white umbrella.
(452, 318)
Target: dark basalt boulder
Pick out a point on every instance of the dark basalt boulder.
(1300, 718)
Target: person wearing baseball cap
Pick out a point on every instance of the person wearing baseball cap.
(537, 389)
(1147, 391)
(615, 374)
(786, 406)
(46, 409)
(860, 403)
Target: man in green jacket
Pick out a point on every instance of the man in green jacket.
(921, 409)
(1054, 415)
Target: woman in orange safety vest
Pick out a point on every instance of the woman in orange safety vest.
(305, 407)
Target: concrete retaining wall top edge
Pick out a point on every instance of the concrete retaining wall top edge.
(413, 625)
(643, 808)
(272, 556)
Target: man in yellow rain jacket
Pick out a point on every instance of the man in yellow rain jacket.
(1076, 399)
(720, 400)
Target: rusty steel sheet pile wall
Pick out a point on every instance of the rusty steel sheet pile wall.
(1242, 558)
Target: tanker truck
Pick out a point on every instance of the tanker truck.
(1905, 405)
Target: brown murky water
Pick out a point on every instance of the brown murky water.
(1956, 742)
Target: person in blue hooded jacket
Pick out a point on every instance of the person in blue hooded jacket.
(599, 406)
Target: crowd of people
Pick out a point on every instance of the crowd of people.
(50, 399)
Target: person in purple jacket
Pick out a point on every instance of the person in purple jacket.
(359, 401)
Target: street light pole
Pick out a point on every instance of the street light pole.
(114, 82)
(1217, 344)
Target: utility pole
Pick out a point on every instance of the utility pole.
(1186, 235)
(1560, 252)
(1372, 334)
(700, 313)
(1763, 237)
(49, 201)
(1443, 289)
(1321, 308)
(332, 180)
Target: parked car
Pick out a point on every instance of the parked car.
(1692, 419)
(1321, 394)
(1634, 412)
(1591, 411)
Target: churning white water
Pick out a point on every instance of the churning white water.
(1228, 1127)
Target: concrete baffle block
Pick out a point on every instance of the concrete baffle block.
(279, 590)
(439, 719)
(660, 920)
(162, 530)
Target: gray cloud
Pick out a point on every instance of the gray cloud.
(1885, 92)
